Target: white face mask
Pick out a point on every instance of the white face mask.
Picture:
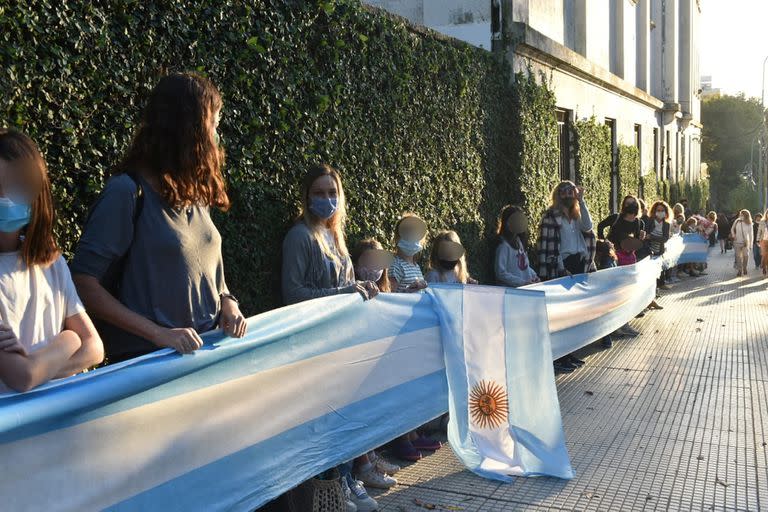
(408, 247)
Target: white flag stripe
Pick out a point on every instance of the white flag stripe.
(484, 353)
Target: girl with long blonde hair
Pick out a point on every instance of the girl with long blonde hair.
(448, 260)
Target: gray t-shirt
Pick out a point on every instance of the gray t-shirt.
(173, 274)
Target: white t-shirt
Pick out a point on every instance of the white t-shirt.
(35, 301)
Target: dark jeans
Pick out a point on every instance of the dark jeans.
(756, 252)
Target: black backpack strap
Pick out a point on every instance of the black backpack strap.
(139, 197)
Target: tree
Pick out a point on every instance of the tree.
(731, 124)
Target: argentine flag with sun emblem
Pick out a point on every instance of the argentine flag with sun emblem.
(505, 415)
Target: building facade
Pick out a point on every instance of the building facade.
(633, 64)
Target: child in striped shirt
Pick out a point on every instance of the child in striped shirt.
(405, 277)
(405, 274)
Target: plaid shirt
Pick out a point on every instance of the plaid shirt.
(550, 266)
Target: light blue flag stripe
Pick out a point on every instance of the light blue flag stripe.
(52, 422)
(696, 249)
(262, 472)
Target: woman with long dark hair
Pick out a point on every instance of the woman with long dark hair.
(149, 264)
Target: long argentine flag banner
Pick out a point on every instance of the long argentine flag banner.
(313, 385)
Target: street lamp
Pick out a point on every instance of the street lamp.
(762, 92)
(761, 160)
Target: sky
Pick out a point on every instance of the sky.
(733, 43)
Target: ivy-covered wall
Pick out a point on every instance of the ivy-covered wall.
(412, 120)
(593, 164)
(664, 191)
(629, 170)
(649, 185)
(535, 149)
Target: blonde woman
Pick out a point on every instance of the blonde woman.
(448, 260)
(316, 262)
(566, 245)
(566, 239)
(741, 232)
(712, 217)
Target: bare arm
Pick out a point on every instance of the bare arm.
(23, 373)
(99, 302)
(91, 351)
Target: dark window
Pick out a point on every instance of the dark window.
(611, 123)
(495, 17)
(656, 153)
(639, 146)
(564, 142)
(668, 154)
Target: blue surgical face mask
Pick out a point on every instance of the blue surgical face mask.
(13, 216)
(323, 207)
(409, 248)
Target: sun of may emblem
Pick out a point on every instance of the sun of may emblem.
(488, 404)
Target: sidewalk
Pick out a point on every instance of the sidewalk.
(676, 419)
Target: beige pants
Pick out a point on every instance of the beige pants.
(764, 254)
(742, 257)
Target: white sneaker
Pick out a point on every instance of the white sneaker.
(351, 507)
(382, 465)
(372, 478)
(359, 496)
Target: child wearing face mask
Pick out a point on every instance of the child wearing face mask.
(447, 262)
(405, 275)
(511, 265)
(371, 261)
(626, 225)
(45, 332)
